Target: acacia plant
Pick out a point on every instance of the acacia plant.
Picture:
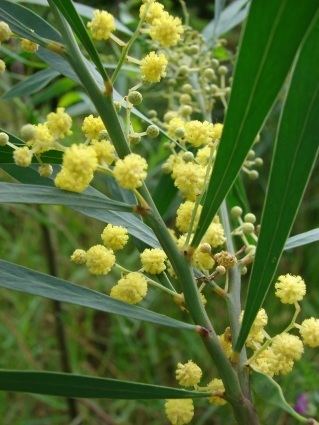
(212, 243)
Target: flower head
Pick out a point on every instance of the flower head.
(184, 214)
(130, 172)
(154, 11)
(22, 156)
(290, 289)
(79, 256)
(153, 67)
(5, 31)
(153, 260)
(287, 345)
(189, 179)
(114, 237)
(105, 151)
(167, 30)
(59, 123)
(216, 386)
(188, 374)
(132, 288)
(309, 331)
(175, 124)
(92, 126)
(99, 260)
(199, 133)
(102, 25)
(179, 411)
(42, 139)
(215, 235)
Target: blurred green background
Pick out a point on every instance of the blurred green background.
(106, 345)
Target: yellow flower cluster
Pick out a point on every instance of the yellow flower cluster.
(257, 333)
(166, 30)
(42, 139)
(59, 123)
(130, 172)
(153, 67)
(92, 127)
(102, 25)
(184, 214)
(114, 237)
(79, 256)
(176, 124)
(179, 411)
(79, 164)
(215, 235)
(104, 150)
(22, 156)
(188, 374)
(290, 289)
(153, 260)
(216, 386)
(132, 288)
(199, 133)
(189, 179)
(153, 11)
(309, 331)
(99, 260)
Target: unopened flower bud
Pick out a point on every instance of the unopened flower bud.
(248, 228)
(27, 131)
(188, 156)
(179, 132)
(134, 138)
(117, 105)
(215, 63)
(103, 135)
(221, 270)
(205, 248)
(257, 139)
(186, 110)
(171, 82)
(243, 270)
(259, 162)
(4, 139)
(152, 131)
(250, 218)
(251, 154)
(135, 97)
(45, 170)
(185, 99)
(168, 116)
(193, 50)
(183, 71)
(236, 211)
(187, 88)
(222, 70)
(152, 113)
(214, 89)
(5, 31)
(253, 175)
(209, 73)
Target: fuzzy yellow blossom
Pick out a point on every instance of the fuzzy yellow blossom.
(203, 155)
(179, 411)
(189, 179)
(184, 214)
(78, 166)
(153, 260)
(2, 66)
(216, 386)
(105, 151)
(102, 25)
(153, 67)
(5, 32)
(99, 260)
(114, 237)
(22, 156)
(217, 131)
(174, 124)
(42, 140)
(166, 30)
(28, 46)
(202, 260)
(198, 133)
(188, 374)
(226, 342)
(309, 331)
(130, 172)
(154, 11)
(59, 123)
(92, 126)
(287, 345)
(290, 289)
(266, 362)
(170, 165)
(78, 256)
(132, 288)
(256, 333)
(214, 235)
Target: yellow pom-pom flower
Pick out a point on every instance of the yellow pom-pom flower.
(102, 25)
(266, 362)
(92, 126)
(5, 32)
(287, 345)
(179, 411)
(114, 237)
(130, 172)
(309, 331)
(215, 235)
(202, 260)
(153, 67)
(189, 179)
(198, 133)
(188, 374)
(99, 260)
(203, 155)
(175, 124)
(42, 140)
(79, 256)
(105, 151)
(226, 342)
(28, 46)
(22, 156)
(290, 289)
(154, 11)
(59, 123)
(216, 386)
(166, 30)
(153, 260)
(132, 288)
(217, 131)
(184, 214)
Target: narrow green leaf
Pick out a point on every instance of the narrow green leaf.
(32, 84)
(229, 18)
(268, 389)
(22, 279)
(69, 12)
(295, 153)
(81, 386)
(262, 67)
(302, 239)
(11, 193)
(26, 23)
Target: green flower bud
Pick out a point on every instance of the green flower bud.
(248, 228)
(179, 132)
(135, 97)
(186, 110)
(222, 70)
(188, 156)
(187, 88)
(236, 211)
(152, 113)
(4, 139)
(185, 99)
(253, 174)
(215, 63)
(205, 248)
(250, 218)
(27, 131)
(117, 105)
(251, 154)
(134, 138)
(259, 162)
(221, 270)
(152, 131)
(183, 71)
(243, 270)
(209, 73)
